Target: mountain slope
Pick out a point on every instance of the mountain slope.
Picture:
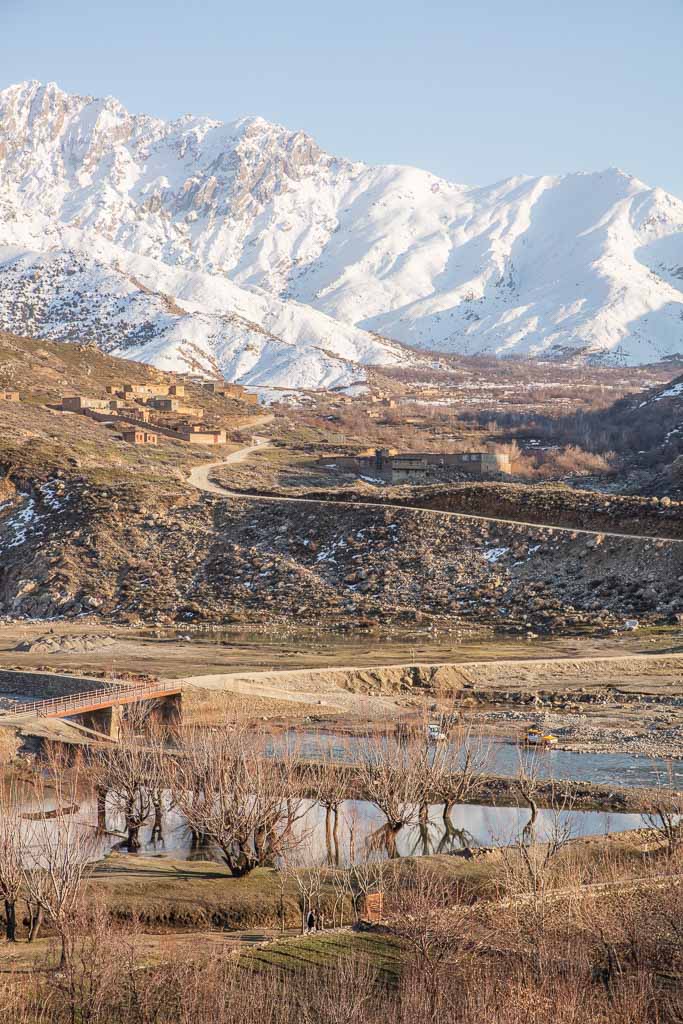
(179, 320)
(584, 262)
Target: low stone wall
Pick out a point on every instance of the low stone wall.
(43, 685)
(560, 506)
(542, 505)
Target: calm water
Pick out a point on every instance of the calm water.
(359, 824)
(604, 769)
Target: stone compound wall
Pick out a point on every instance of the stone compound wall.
(43, 685)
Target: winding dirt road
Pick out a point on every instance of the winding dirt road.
(200, 478)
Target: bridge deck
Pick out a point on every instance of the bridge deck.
(93, 700)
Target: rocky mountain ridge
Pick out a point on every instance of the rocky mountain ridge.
(325, 258)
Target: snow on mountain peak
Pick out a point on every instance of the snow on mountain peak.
(250, 221)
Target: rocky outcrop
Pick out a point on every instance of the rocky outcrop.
(545, 504)
(72, 549)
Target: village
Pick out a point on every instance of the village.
(146, 412)
(142, 414)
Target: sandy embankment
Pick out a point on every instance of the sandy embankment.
(619, 703)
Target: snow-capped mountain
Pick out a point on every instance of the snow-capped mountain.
(180, 320)
(278, 263)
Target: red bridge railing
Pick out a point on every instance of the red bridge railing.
(104, 696)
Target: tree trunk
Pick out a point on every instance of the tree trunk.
(35, 919)
(67, 946)
(424, 829)
(392, 830)
(240, 865)
(335, 835)
(157, 827)
(328, 833)
(11, 920)
(133, 841)
(101, 809)
(528, 832)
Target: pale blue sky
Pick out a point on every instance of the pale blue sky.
(474, 91)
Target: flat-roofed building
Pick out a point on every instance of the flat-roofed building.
(79, 403)
(423, 467)
(137, 435)
(166, 404)
(482, 464)
(199, 434)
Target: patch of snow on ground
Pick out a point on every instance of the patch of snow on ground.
(494, 555)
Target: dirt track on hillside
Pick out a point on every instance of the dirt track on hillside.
(200, 477)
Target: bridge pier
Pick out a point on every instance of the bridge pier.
(106, 721)
(168, 712)
(165, 712)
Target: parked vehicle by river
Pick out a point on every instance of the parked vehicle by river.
(542, 741)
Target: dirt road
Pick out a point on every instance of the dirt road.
(200, 478)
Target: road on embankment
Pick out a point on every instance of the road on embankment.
(200, 478)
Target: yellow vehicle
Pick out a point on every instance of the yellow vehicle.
(542, 740)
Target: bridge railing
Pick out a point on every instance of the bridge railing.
(72, 702)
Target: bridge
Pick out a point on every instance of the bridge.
(100, 709)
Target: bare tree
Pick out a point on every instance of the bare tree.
(332, 782)
(61, 850)
(460, 770)
(664, 816)
(425, 911)
(88, 987)
(310, 883)
(127, 772)
(529, 862)
(249, 805)
(12, 853)
(392, 778)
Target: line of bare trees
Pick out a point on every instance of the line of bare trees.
(254, 805)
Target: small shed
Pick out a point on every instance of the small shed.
(134, 436)
(372, 907)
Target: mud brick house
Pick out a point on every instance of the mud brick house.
(403, 469)
(226, 390)
(424, 467)
(137, 436)
(77, 403)
(481, 464)
(140, 390)
(166, 404)
(171, 404)
(198, 434)
(195, 412)
(9, 396)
